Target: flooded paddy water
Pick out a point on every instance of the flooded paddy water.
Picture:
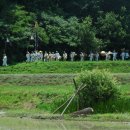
(31, 124)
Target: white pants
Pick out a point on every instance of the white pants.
(4, 62)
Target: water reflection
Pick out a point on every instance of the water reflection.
(29, 124)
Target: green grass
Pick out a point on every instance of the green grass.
(65, 67)
(125, 89)
(44, 98)
(47, 98)
(36, 79)
(49, 79)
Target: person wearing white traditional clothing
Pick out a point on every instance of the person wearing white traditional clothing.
(122, 56)
(97, 56)
(81, 56)
(53, 56)
(41, 55)
(35, 56)
(65, 56)
(28, 57)
(57, 56)
(46, 56)
(126, 55)
(72, 56)
(4, 60)
(38, 55)
(32, 55)
(50, 56)
(114, 55)
(91, 56)
(107, 56)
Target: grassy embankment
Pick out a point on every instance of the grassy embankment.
(65, 67)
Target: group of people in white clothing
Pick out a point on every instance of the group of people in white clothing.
(108, 55)
(51, 56)
(92, 56)
(124, 55)
(34, 56)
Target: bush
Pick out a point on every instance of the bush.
(100, 86)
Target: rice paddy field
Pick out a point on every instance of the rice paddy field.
(27, 124)
(33, 91)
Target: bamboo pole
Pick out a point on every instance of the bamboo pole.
(62, 105)
(79, 89)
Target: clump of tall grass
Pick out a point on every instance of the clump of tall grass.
(100, 86)
(120, 105)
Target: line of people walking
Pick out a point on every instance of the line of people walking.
(92, 56)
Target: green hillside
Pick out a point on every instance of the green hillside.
(65, 67)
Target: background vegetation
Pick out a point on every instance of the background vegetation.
(73, 25)
(59, 24)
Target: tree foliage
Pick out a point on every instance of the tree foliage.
(85, 24)
(60, 30)
(87, 34)
(110, 29)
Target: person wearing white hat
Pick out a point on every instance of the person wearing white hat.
(103, 55)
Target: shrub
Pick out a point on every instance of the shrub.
(100, 86)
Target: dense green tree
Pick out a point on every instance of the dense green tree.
(18, 26)
(87, 35)
(110, 29)
(61, 31)
(85, 24)
(22, 26)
